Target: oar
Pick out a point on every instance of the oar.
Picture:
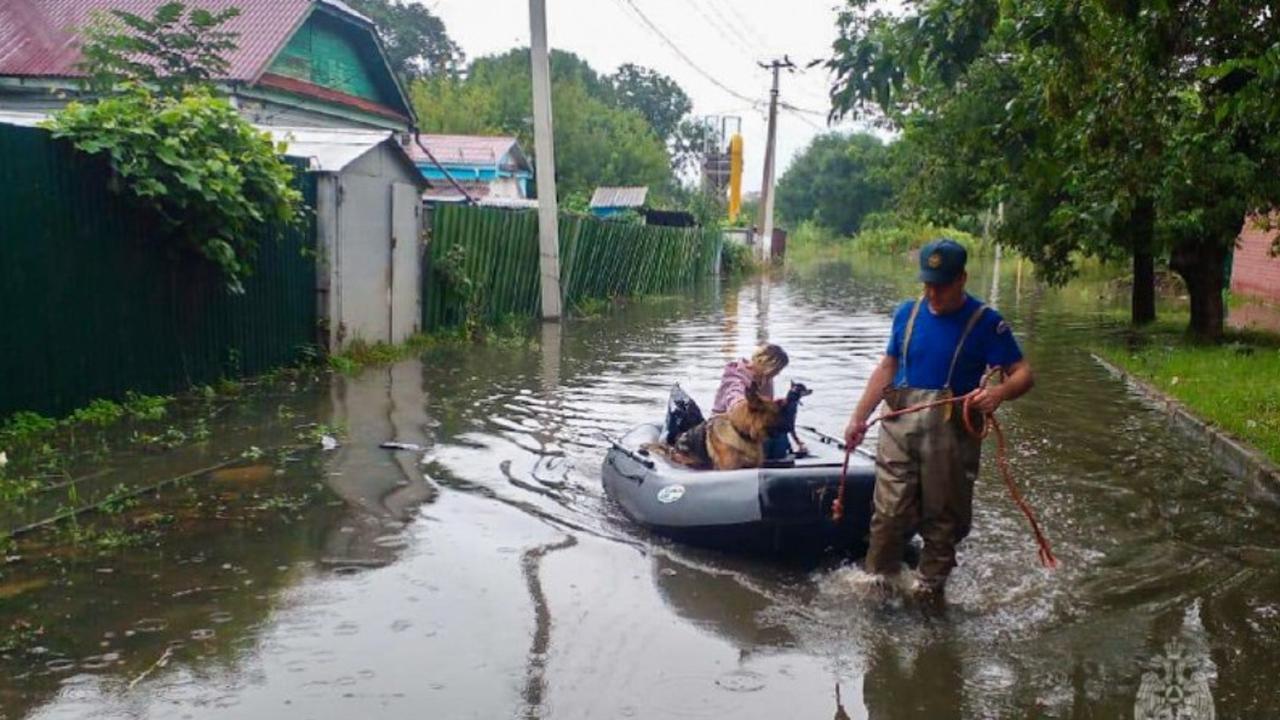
(831, 440)
(617, 445)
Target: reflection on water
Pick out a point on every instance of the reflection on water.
(486, 575)
(535, 682)
(383, 488)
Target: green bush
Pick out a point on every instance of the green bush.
(592, 306)
(210, 176)
(737, 259)
(451, 269)
(146, 407)
(99, 413)
(809, 234)
(892, 234)
(25, 427)
(881, 234)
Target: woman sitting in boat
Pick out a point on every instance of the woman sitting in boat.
(764, 365)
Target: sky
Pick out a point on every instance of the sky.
(722, 41)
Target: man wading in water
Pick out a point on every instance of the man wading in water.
(927, 462)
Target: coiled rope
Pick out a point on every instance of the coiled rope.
(989, 422)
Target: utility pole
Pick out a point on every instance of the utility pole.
(766, 186)
(545, 157)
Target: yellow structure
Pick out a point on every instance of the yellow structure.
(735, 177)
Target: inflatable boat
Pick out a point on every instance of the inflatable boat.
(783, 507)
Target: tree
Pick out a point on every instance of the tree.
(1107, 127)
(211, 178)
(836, 181)
(172, 49)
(600, 145)
(445, 104)
(597, 142)
(510, 74)
(505, 84)
(415, 39)
(657, 98)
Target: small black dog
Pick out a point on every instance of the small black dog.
(683, 414)
(790, 408)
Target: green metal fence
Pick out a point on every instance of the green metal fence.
(499, 257)
(95, 303)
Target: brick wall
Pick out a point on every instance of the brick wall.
(1255, 272)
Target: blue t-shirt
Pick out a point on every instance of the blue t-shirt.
(933, 343)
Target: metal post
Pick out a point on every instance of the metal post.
(544, 154)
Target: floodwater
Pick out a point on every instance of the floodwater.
(485, 575)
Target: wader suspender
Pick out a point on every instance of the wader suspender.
(911, 326)
(906, 335)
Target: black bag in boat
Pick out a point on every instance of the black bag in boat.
(682, 414)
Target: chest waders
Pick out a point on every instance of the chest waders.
(926, 466)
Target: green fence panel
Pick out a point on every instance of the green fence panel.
(598, 259)
(97, 302)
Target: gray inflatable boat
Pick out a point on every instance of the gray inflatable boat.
(783, 507)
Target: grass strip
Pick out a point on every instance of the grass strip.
(1234, 385)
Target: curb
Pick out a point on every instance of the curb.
(1231, 455)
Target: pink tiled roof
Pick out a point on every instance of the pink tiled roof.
(38, 37)
(482, 150)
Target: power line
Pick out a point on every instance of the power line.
(804, 119)
(727, 20)
(757, 39)
(676, 48)
(719, 27)
(747, 25)
(805, 71)
(810, 96)
(806, 111)
(809, 92)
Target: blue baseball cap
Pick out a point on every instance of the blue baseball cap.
(942, 261)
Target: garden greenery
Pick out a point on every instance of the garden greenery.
(1112, 130)
(212, 178)
(451, 269)
(737, 259)
(173, 49)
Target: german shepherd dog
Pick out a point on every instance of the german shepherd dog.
(735, 440)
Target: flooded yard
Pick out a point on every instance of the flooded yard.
(482, 573)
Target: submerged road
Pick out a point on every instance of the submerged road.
(487, 576)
